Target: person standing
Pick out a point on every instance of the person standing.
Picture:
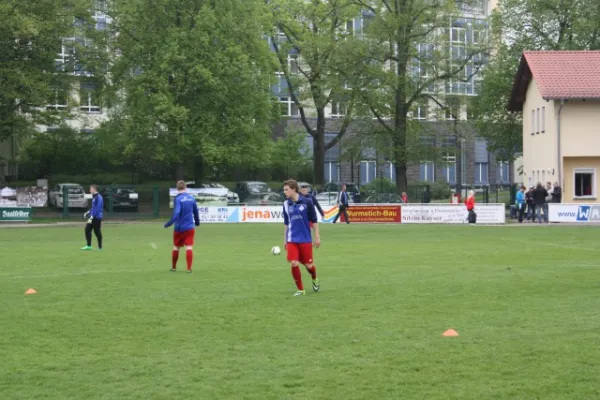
(299, 217)
(94, 221)
(520, 203)
(343, 204)
(556, 193)
(539, 198)
(186, 218)
(470, 203)
(304, 192)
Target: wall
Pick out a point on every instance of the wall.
(540, 150)
(580, 129)
(570, 163)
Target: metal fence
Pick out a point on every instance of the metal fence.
(153, 201)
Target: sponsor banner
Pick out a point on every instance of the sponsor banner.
(265, 214)
(204, 197)
(15, 214)
(32, 196)
(218, 215)
(578, 213)
(451, 214)
(367, 213)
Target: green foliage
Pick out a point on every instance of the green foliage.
(192, 79)
(379, 185)
(61, 150)
(399, 37)
(290, 150)
(316, 31)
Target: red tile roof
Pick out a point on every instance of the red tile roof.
(559, 75)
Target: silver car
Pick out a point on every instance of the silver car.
(74, 191)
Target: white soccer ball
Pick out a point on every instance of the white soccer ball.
(276, 250)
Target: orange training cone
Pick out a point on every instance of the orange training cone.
(31, 291)
(450, 333)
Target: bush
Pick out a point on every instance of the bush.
(379, 185)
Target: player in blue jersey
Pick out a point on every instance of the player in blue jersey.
(299, 216)
(186, 218)
(94, 219)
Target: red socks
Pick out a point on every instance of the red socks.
(189, 257)
(297, 277)
(313, 272)
(174, 258)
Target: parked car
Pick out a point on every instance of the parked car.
(352, 189)
(215, 188)
(265, 199)
(330, 198)
(247, 188)
(123, 198)
(75, 192)
(384, 198)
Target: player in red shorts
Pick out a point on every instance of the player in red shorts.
(298, 215)
(186, 218)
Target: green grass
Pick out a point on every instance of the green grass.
(117, 325)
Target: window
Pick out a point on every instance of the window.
(452, 112)
(481, 173)
(332, 171)
(368, 171)
(350, 27)
(533, 121)
(289, 107)
(58, 99)
(89, 96)
(502, 172)
(537, 120)
(449, 168)
(585, 182)
(427, 171)
(543, 119)
(420, 112)
(293, 63)
(458, 35)
(389, 172)
(338, 109)
(65, 58)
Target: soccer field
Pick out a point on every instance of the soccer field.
(117, 324)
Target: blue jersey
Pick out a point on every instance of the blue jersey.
(97, 210)
(297, 217)
(185, 213)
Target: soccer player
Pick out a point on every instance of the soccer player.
(95, 219)
(298, 215)
(186, 218)
(304, 193)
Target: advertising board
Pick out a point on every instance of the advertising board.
(576, 213)
(451, 214)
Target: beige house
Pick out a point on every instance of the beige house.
(559, 95)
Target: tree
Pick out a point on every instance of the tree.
(520, 25)
(412, 66)
(290, 153)
(193, 76)
(310, 40)
(30, 36)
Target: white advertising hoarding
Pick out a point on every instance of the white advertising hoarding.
(451, 214)
(576, 213)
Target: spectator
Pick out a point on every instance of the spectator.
(520, 203)
(556, 193)
(530, 204)
(404, 198)
(539, 198)
(470, 203)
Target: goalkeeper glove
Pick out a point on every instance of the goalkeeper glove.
(85, 214)
(90, 220)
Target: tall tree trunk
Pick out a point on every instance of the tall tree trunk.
(319, 148)
(459, 166)
(179, 172)
(319, 159)
(199, 169)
